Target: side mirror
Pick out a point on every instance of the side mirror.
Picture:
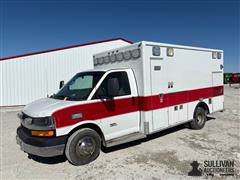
(113, 87)
(61, 84)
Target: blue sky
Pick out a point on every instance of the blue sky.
(29, 26)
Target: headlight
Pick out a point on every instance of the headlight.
(46, 121)
(43, 123)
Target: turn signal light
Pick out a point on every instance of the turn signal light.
(42, 133)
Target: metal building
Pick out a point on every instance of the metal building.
(28, 77)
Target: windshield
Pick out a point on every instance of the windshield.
(79, 87)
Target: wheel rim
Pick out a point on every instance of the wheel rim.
(200, 119)
(86, 146)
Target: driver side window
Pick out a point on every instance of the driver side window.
(124, 86)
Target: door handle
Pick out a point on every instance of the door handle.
(161, 96)
(133, 100)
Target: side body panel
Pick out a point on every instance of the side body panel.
(181, 81)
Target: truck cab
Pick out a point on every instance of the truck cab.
(98, 101)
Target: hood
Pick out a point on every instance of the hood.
(47, 106)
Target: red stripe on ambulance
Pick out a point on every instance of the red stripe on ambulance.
(104, 109)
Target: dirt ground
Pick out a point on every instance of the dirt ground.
(165, 155)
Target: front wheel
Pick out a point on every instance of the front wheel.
(83, 146)
(199, 119)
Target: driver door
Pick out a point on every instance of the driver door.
(119, 114)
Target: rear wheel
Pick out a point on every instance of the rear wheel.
(83, 146)
(199, 119)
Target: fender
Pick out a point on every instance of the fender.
(203, 105)
(67, 129)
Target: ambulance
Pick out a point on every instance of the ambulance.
(132, 92)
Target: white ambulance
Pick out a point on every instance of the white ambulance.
(132, 92)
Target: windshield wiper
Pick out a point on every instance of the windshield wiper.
(55, 96)
(75, 98)
(70, 98)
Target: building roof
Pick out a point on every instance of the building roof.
(63, 48)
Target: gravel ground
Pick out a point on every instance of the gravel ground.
(165, 155)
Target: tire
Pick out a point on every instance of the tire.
(83, 147)
(199, 118)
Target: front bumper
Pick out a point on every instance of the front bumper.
(40, 146)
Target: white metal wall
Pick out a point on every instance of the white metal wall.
(25, 79)
(1, 87)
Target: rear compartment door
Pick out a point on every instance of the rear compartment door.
(217, 80)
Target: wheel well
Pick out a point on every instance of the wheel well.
(91, 126)
(204, 106)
